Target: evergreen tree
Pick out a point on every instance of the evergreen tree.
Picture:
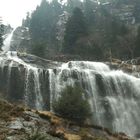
(1, 34)
(137, 49)
(72, 4)
(43, 21)
(137, 10)
(104, 29)
(26, 22)
(57, 8)
(89, 10)
(72, 105)
(43, 25)
(75, 29)
(39, 24)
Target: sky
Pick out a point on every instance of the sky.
(13, 11)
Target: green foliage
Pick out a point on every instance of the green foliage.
(137, 11)
(89, 8)
(92, 30)
(1, 34)
(137, 49)
(42, 25)
(37, 136)
(43, 21)
(75, 29)
(39, 50)
(72, 4)
(26, 22)
(72, 105)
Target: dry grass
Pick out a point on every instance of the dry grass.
(9, 111)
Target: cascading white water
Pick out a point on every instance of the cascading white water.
(39, 99)
(114, 96)
(7, 42)
(30, 70)
(37, 91)
(11, 56)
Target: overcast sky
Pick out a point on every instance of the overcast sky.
(13, 11)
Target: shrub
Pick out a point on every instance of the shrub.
(39, 50)
(72, 105)
(37, 137)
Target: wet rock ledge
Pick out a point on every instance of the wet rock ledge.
(131, 67)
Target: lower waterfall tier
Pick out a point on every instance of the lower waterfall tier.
(113, 95)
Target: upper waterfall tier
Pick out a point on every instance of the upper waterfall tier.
(7, 42)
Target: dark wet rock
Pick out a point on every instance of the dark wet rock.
(38, 61)
(101, 85)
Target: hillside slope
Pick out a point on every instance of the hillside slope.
(18, 123)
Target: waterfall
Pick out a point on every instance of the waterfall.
(114, 96)
(37, 89)
(7, 42)
(32, 75)
(32, 88)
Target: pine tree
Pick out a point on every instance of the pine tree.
(43, 26)
(137, 49)
(39, 24)
(137, 10)
(72, 105)
(72, 4)
(26, 22)
(75, 29)
(89, 9)
(1, 34)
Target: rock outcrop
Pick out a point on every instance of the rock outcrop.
(20, 123)
(131, 67)
(21, 40)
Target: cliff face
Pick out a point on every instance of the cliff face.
(16, 122)
(21, 40)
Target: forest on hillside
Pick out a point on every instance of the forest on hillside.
(85, 29)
